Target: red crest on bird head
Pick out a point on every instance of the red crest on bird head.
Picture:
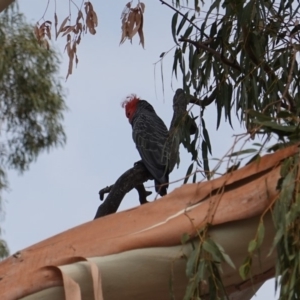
(130, 105)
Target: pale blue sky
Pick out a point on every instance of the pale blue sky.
(60, 190)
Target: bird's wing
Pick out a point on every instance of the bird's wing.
(151, 138)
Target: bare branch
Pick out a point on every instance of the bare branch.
(134, 177)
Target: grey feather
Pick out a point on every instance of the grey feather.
(150, 135)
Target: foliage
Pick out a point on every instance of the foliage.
(203, 268)
(243, 57)
(31, 97)
(287, 223)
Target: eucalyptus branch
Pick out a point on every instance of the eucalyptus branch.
(132, 178)
(206, 101)
(199, 45)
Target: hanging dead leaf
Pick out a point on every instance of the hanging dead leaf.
(43, 33)
(137, 20)
(132, 22)
(72, 31)
(55, 24)
(141, 35)
(68, 29)
(62, 26)
(142, 7)
(70, 53)
(48, 33)
(91, 18)
(140, 31)
(79, 16)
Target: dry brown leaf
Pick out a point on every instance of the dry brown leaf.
(55, 24)
(126, 10)
(48, 33)
(124, 30)
(70, 54)
(68, 30)
(79, 16)
(138, 20)
(95, 18)
(142, 7)
(79, 26)
(141, 35)
(91, 18)
(78, 40)
(43, 33)
(62, 26)
(72, 32)
(140, 31)
(74, 49)
(132, 22)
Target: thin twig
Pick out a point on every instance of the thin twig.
(43, 16)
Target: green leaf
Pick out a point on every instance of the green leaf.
(213, 29)
(245, 268)
(215, 5)
(276, 126)
(241, 152)
(224, 255)
(188, 173)
(192, 263)
(206, 136)
(195, 177)
(188, 32)
(285, 114)
(201, 270)
(286, 166)
(226, 90)
(183, 20)
(219, 102)
(255, 157)
(259, 116)
(174, 23)
(177, 58)
(252, 246)
(185, 238)
(205, 159)
(228, 260)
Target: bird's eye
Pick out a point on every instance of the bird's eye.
(128, 114)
